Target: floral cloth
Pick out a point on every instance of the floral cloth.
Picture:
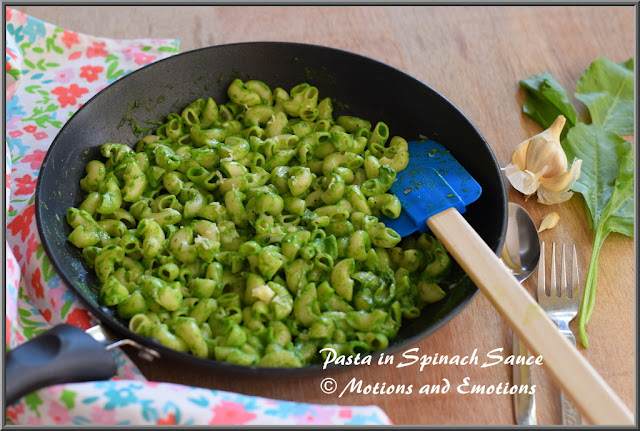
(50, 73)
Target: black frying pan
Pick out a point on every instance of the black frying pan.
(358, 85)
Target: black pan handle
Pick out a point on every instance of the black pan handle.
(63, 354)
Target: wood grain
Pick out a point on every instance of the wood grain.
(474, 56)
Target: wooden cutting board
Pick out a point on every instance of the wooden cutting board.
(474, 56)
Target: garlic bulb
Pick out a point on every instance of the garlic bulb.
(539, 164)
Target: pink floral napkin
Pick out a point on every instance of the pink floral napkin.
(50, 73)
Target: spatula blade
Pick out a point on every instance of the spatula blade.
(432, 182)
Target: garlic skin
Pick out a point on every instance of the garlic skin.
(539, 164)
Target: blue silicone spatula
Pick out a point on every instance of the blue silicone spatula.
(434, 191)
(433, 181)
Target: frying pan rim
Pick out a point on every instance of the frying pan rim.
(121, 330)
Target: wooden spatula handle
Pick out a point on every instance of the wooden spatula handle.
(574, 375)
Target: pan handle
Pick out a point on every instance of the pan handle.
(63, 354)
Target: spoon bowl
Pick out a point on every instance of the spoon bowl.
(521, 251)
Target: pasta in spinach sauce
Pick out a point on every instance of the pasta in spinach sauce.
(249, 231)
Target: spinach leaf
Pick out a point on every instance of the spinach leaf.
(606, 178)
(606, 183)
(606, 88)
(601, 152)
(627, 64)
(546, 99)
(622, 219)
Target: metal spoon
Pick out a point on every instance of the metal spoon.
(520, 255)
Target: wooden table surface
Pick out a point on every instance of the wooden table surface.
(474, 56)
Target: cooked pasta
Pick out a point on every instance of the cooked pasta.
(249, 231)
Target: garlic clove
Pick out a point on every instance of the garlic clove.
(519, 156)
(563, 182)
(554, 131)
(549, 221)
(526, 182)
(546, 154)
(545, 150)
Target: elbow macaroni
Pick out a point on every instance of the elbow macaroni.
(249, 231)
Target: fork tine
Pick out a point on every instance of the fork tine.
(541, 274)
(563, 274)
(561, 306)
(553, 287)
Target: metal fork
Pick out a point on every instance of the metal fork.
(561, 305)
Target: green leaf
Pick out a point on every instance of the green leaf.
(22, 294)
(41, 121)
(110, 57)
(601, 152)
(168, 49)
(32, 401)
(606, 88)
(65, 309)
(47, 269)
(606, 184)
(546, 99)
(627, 64)
(28, 332)
(30, 322)
(32, 88)
(112, 72)
(40, 116)
(68, 398)
(29, 63)
(15, 73)
(49, 42)
(38, 50)
(621, 209)
(623, 220)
